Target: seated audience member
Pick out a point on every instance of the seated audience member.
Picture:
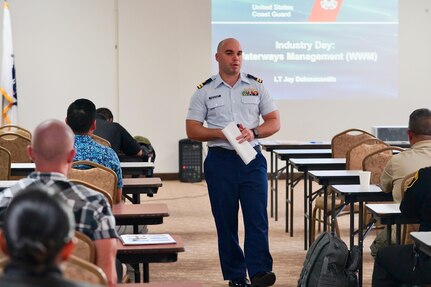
(37, 237)
(397, 265)
(52, 152)
(126, 147)
(81, 117)
(410, 160)
(406, 162)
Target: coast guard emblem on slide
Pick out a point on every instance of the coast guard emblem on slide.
(328, 4)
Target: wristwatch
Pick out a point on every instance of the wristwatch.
(255, 133)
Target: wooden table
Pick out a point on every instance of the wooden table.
(145, 254)
(140, 185)
(139, 214)
(285, 155)
(304, 165)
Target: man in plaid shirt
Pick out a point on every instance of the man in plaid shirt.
(53, 152)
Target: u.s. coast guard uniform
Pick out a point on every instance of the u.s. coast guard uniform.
(229, 180)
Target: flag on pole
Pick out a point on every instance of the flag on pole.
(8, 83)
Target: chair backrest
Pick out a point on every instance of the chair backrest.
(15, 129)
(356, 154)
(77, 269)
(376, 162)
(101, 140)
(16, 144)
(344, 141)
(407, 228)
(95, 174)
(84, 248)
(5, 161)
(95, 188)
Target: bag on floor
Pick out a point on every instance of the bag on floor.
(329, 262)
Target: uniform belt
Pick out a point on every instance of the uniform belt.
(228, 151)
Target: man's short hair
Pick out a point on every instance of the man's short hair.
(105, 112)
(420, 122)
(80, 115)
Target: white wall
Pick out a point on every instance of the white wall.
(66, 49)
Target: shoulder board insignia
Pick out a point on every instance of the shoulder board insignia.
(200, 86)
(254, 78)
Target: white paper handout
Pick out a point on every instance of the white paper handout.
(244, 150)
(137, 239)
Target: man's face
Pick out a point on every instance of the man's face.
(229, 57)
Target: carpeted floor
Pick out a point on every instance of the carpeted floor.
(190, 217)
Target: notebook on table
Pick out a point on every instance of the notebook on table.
(138, 239)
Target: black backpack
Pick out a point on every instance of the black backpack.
(148, 152)
(329, 262)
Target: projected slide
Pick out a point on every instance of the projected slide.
(315, 49)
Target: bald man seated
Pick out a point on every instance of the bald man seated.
(52, 152)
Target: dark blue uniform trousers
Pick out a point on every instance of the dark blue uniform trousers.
(230, 183)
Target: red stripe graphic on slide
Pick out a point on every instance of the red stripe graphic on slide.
(325, 10)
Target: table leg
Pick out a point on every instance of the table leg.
(360, 237)
(305, 210)
(389, 233)
(136, 198)
(352, 224)
(398, 234)
(135, 267)
(146, 270)
(276, 192)
(332, 211)
(277, 174)
(271, 176)
(310, 209)
(291, 185)
(325, 208)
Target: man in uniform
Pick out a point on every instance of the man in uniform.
(232, 96)
(406, 162)
(406, 264)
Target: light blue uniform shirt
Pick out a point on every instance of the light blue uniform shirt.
(219, 104)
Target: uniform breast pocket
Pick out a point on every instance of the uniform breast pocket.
(215, 106)
(250, 108)
(250, 100)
